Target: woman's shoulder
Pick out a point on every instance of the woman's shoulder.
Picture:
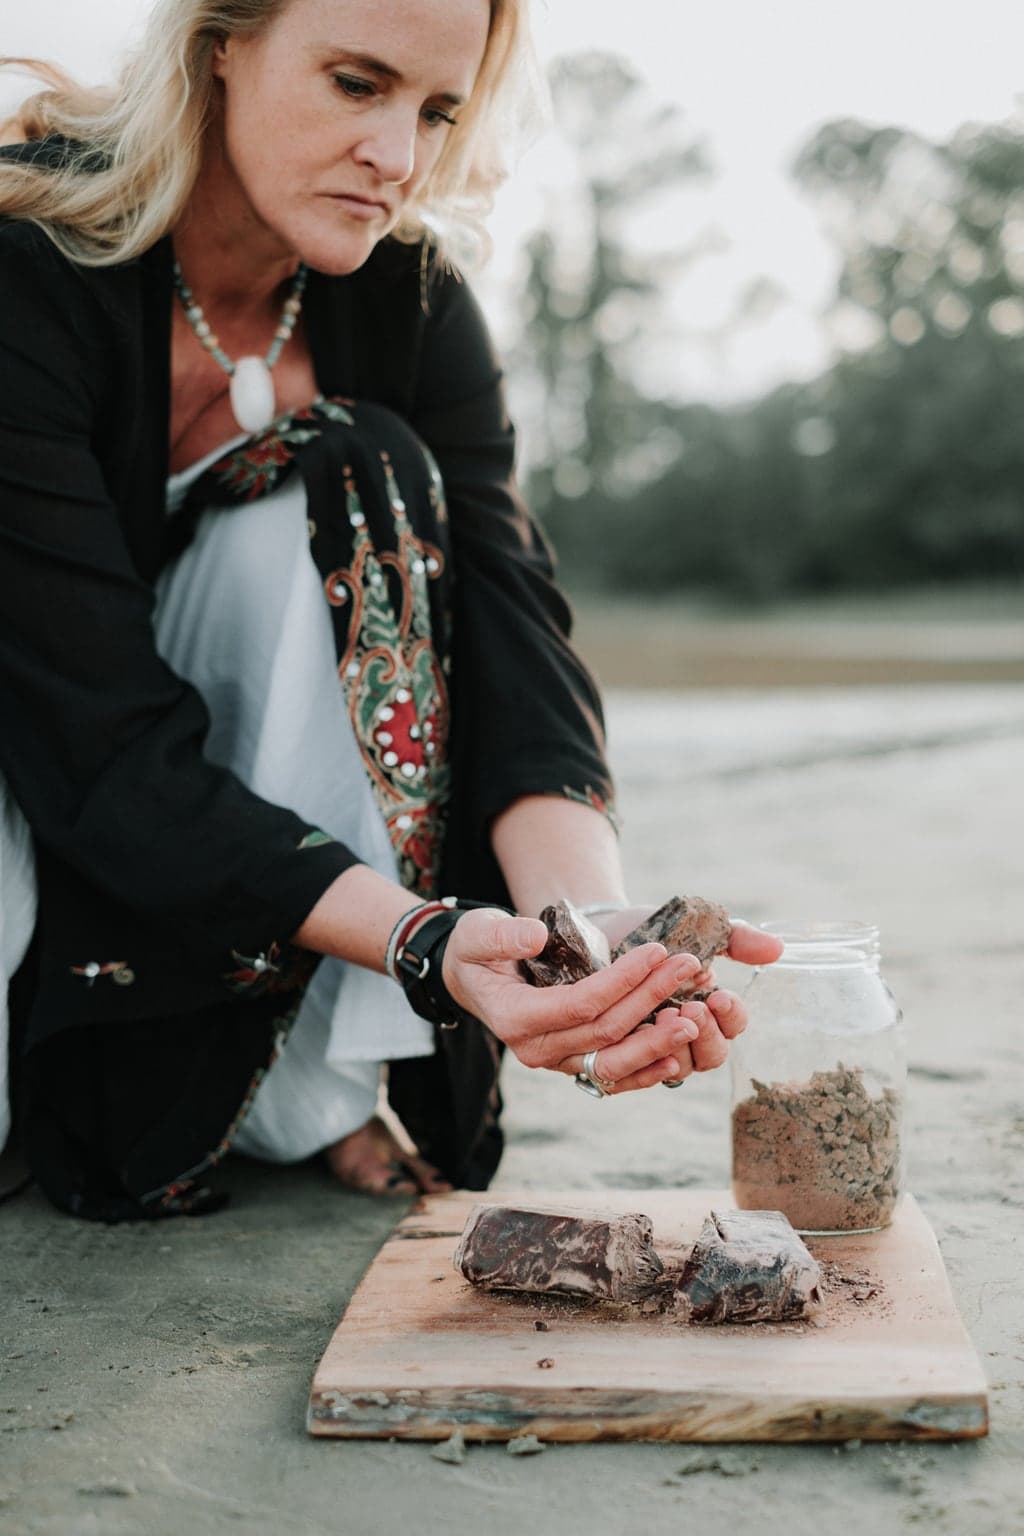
(41, 284)
(54, 153)
(26, 236)
(23, 241)
(30, 259)
(419, 272)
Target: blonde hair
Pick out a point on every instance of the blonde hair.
(134, 149)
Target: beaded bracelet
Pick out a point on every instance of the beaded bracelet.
(406, 926)
(419, 960)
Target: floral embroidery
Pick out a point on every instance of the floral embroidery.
(597, 802)
(250, 972)
(315, 839)
(117, 970)
(394, 686)
(276, 970)
(254, 468)
(394, 682)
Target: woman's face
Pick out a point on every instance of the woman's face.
(336, 114)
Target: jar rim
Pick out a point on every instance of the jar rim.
(823, 931)
(817, 944)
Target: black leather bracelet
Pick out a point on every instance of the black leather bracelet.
(419, 966)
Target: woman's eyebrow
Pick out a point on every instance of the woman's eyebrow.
(388, 72)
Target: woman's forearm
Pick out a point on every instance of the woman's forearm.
(354, 917)
(551, 848)
(547, 848)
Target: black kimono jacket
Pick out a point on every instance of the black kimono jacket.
(149, 854)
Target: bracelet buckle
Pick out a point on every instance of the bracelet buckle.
(402, 963)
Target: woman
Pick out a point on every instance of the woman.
(257, 192)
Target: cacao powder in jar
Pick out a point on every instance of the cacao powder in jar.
(818, 1083)
(826, 1152)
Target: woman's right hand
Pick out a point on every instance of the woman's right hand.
(554, 1027)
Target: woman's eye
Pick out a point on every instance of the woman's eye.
(352, 85)
(435, 116)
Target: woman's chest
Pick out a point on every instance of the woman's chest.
(201, 418)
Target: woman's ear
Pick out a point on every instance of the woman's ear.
(219, 57)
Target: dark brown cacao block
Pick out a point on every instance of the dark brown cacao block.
(748, 1267)
(519, 1248)
(571, 953)
(686, 925)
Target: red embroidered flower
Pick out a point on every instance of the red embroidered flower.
(255, 467)
(400, 737)
(421, 849)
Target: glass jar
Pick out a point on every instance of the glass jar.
(818, 1084)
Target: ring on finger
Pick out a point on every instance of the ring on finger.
(590, 1081)
(673, 1082)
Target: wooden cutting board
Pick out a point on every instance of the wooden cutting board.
(420, 1353)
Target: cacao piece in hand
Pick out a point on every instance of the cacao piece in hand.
(686, 925)
(571, 953)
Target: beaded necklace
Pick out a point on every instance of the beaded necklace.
(253, 400)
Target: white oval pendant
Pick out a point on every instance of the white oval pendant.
(252, 394)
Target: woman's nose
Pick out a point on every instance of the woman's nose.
(391, 148)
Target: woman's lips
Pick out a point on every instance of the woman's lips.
(359, 207)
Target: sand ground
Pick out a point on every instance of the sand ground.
(153, 1379)
(963, 634)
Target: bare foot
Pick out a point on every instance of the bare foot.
(374, 1162)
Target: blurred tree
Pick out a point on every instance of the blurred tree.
(904, 462)
(928, 463)
(592, 296)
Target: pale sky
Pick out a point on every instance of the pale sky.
(754, 80)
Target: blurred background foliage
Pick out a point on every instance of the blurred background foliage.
(902, 463)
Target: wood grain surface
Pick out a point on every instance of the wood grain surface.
(420, 1352)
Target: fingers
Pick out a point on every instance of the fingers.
(752, 947)
(669, 1070)
(665, 1043)
(641, 972)
(604, 1008)
(486, 937)
(554, 1027)
(730, 1013)
(718, 1021)
(715, 1023)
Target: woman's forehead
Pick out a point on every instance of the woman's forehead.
(408, 36)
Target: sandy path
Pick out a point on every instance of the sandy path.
(153, 1379)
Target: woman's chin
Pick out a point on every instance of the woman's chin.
(337, 255)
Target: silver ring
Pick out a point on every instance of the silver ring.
(675, 1082)
(590, 1082)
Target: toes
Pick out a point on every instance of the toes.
(427, 1178)
(371, 1162)
(400, 1184)
(371, 1176)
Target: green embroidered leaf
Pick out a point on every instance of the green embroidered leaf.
(315, 839)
